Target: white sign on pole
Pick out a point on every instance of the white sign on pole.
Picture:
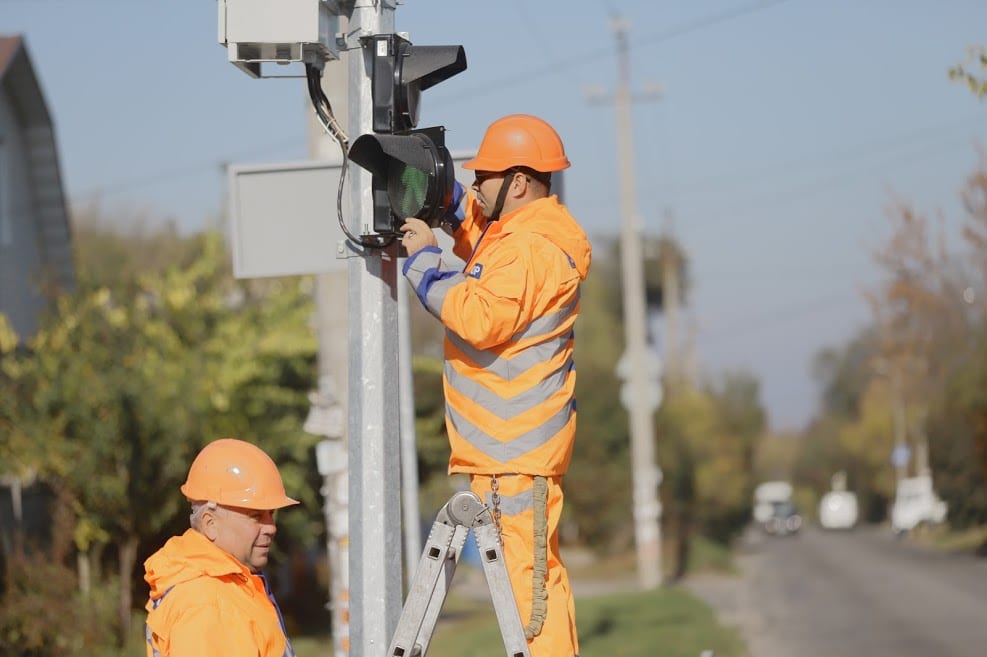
(283, 219)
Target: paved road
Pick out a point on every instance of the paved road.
(859, 594)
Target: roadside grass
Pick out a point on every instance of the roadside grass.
(667, 622)
(623, 623)
(967, 540)
(706, 556)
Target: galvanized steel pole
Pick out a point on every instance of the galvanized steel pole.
(374, 427)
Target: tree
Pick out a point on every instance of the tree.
(129, 380)
(976, 58)
(917, 375)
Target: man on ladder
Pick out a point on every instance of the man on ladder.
(509, 377)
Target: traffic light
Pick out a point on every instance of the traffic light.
(401, 72)
(413, 174)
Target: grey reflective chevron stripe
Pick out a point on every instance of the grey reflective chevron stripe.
(511, 505)
(431, 278)
(438, 290)
(532, 355)
(549, 323)
(510, 407)
(516, 447)
(505, 368)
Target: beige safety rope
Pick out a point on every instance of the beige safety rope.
(539, 597)
(495, 500)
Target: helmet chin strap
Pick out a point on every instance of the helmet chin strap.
(501, 197)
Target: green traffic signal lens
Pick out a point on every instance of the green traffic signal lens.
(408, 191)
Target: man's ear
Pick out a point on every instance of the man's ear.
(520, 185)
(209, 525)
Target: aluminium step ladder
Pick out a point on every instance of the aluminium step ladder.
(463, 512)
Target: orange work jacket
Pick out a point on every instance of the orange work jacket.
(205, 602)
(509, 378)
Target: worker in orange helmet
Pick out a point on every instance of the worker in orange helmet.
(208, 595)
(509, 376)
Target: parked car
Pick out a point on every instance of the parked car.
(785, 519)
(838, 510)
(767, 496)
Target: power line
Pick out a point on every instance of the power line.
(873, 147)
(706, 21)
(877, 147)
(577, 60)
(176, 173)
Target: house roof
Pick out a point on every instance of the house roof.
(18, 80)
(17, 75)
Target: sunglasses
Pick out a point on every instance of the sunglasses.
(483, 176)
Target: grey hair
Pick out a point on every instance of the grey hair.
(198, 507)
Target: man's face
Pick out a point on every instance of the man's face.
(247, 534)
(486, 185)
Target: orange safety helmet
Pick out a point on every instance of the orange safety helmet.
(236, 473)
(520, 140)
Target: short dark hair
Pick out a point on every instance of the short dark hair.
(544, 177)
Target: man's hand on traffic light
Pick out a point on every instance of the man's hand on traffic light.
(417, 235)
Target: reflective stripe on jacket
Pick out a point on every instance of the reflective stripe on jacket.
(205, 602)
(509, 377)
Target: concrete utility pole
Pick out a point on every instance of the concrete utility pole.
(670, 303)
(640, 407)
(374, 483)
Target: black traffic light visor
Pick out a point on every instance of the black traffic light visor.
(416, 172)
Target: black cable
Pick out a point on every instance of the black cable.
(323, 109)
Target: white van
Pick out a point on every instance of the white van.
(838, 510)
(916, 503)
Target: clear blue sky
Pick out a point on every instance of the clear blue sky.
(784, 133)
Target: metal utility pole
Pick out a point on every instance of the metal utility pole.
(331, 330)
(374, 492)
(646, 474)
(409, 454)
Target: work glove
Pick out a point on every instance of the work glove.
(455, 214)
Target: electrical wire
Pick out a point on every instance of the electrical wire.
(323, 110)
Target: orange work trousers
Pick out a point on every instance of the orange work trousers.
(557, 637)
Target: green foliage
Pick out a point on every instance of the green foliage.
(430, 432)
(42, 611)
(959, 449)
(706, 445)
(843, 373)
(127, 380)
(662, 255)
(976, 59)
(598, 485)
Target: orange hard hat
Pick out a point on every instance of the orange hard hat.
(236, 473)
(520, 140)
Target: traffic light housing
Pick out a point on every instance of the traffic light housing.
(401, 72)
(413, 173)
(413, 176)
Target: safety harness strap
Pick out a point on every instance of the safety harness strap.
(539, 598)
